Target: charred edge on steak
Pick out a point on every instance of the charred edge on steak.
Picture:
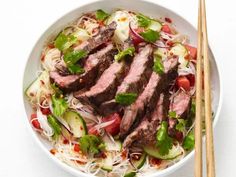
(94, 66)
(139, 72)
(145, 103)
(146, 128)
(135, 80)
(106, 86)
(180, 104)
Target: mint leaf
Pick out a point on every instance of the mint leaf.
(53, 122)
(74, 56)
(101, 15)
(189, 141)
(91, 144)
(158, 65)
(129, 51)
(59, 105)
(164, 142)
(126, 98)
(150, 35)
(64, 42)
(143, 21)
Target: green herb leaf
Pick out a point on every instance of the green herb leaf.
(150, 35)
(56, 89)
(75, 69)
(158, 65)
(164, 142)
(129, 51)
(91, 144)
(53, 122)
(181, 125)
(172, 114)
(59, 105)
(143, 21)
(101, 15)
(74, 56)
(126, 98)
(64, 42)
(189, 140)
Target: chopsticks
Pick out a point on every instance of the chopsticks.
(203, 54)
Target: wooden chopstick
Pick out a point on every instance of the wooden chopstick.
(210, 158)
(203, 53)
(198, 118)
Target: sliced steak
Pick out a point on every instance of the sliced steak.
(94, 67)
(91, 44)
(146, 102)
(139, 72)
(106, 86)
(104, 36)
(180, 104)
(146, 129)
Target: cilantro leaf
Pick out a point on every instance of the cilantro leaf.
(158, 65)
(126, 98)
(56, 89)
(164, 142)
(101, 15)
(64, 42)
(150, 35)
(189, 141)
(91, 144)
(59, 105)
(74, 56)
(172, 114)
(53, 122)
(71, 58)
(143, 21)
(75, 69)
(129, 51)
(181, 125)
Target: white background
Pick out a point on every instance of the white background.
(21, 24)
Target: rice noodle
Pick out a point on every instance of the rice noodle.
(47, 130)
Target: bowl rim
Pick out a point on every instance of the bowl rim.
(77, 172)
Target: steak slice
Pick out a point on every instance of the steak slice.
(134, 81)
(104, 36)
(91, 44)
(180, 104)
(94, 66)
(139, 72)
(146, 129)
(106, 86)
(146, 102)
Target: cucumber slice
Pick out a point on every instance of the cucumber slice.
(155, 25)
(81, 34)
(179, 50)
(106, 163)
(163, 52)
(137, 164)
(130, 174)
(154, 152)
(35, 86)
(76, 123)
(110, 145)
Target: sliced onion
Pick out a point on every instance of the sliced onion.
(158, 43)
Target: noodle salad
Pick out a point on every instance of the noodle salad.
(115, 95)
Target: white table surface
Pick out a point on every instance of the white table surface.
(23, 21)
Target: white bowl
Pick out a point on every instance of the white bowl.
(143, 6)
